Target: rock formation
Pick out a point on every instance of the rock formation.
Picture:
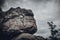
(17, 24)
(27, 36)
(20, 19)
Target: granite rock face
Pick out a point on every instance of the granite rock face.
(18, 24)
(19, 19)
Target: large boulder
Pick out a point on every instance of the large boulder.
(25, 36)
(19, 19)
(18, 24)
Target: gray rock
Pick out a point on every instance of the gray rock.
(18, 24)
(19, 19)
(25, 36)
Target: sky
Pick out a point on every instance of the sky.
(44, 11)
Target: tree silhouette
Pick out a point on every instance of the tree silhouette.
(52, 30)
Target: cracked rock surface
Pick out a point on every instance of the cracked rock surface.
(18, 24)
(19, 19)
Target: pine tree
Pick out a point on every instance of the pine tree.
(52, 30)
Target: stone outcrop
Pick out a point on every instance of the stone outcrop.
(27, 36)
(20, 19)
(18, 24)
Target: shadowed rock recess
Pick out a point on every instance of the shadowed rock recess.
(17, 24)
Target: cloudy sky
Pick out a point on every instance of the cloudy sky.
(44, 11)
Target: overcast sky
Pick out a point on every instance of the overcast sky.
(44, 11)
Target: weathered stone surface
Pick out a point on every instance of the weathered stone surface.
(19, 19)
(25, 36)
(18, 24)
